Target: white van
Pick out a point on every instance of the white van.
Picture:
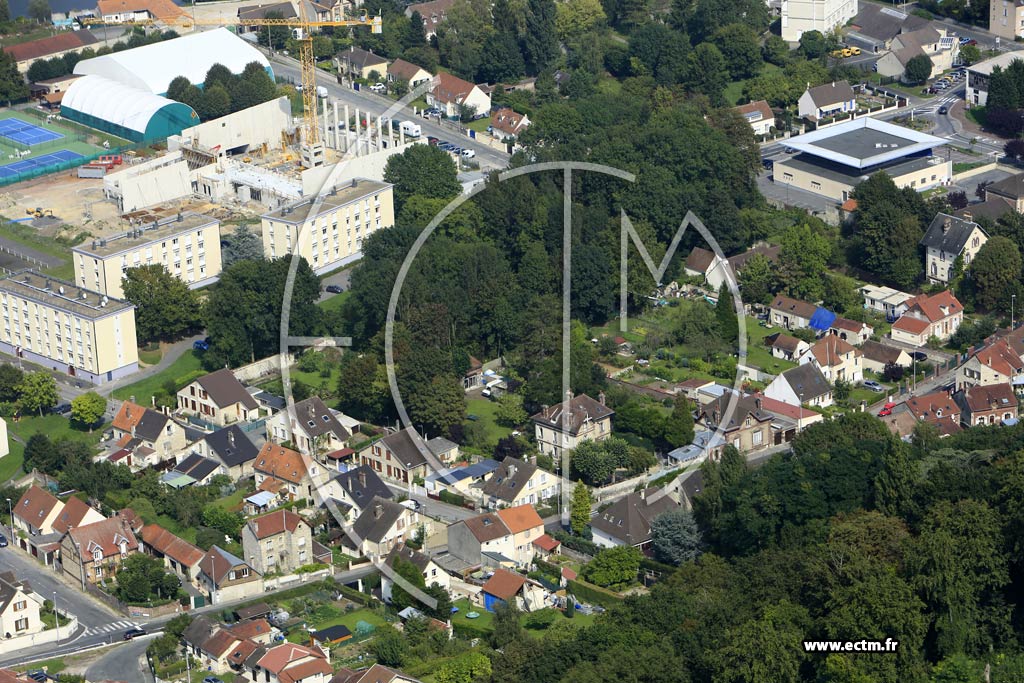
(410, 129)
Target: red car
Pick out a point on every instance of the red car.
(886, 409)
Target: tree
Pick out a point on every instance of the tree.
(214, 103)
(775, 50)
(422, 170)
(996, 265)
(143, 578)
(5, 12)
(758, 280)
(767, 649)
(540, 40)
(501, 61)
(39, 10)
(958, 198)
(41, 454)
(401, 598)
(970, 54)
(582, 503)
(918, 69)
(472, 666)
(813, 44)
(678, 428)
(802, 259)
(507, 626)
(613, 567)
(389, 647)
(741, 49)
(10, 379)
(218, 74)
(510, 410)
(574, 18)
(12, 83)
(37, 392)
(88, 408)
(437, 405)
(243, 245)
(1014, 149)
(708, 72)
(725, 313)
(675, 537)
(841, 294)
(273, 37)
(165, 307)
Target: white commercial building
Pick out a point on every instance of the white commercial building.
(800, 16)
(978, 76)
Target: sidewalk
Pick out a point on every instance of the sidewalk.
(173, 353)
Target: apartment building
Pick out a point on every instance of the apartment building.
(187, 245)
(1006, 18)
(329, 231)
(800, 16)
(68, 328)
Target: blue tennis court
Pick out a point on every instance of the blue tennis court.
(23, 133)
(37, 163)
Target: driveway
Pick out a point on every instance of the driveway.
(342, 278)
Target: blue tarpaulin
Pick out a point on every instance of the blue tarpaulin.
(822, 319)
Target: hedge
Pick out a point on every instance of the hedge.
(547, 567)
(588, 592)
(654, 565)
(355, 596)
(451, 498)
(576, 543)
(467, 630)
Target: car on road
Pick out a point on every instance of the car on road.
(767, 163)
(873, 385)
(432, 111)
(431, 140)
(334, 289)
(468, 154)
(886, 409)
(3, 541)
(201, 345)
(379, 88)
(919, 356)
(943, 110)
(855, 51)
(134, 633)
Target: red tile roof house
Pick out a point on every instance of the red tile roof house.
(95, 551)
(937, 408)
(281, 541)
(997, 363)
(938, 315)
(507, 124)
(178, 555)
(992, 404)
(452, 94)
(759, 115)
(53, 46)
(293, 664)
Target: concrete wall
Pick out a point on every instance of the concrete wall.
(153, 182)
(370, 166)
(248, 129)
(262, 368)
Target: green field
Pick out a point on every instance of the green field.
(349, 620)
(487, 411)
(26, 236)
(54, 426)
(335, 302)
(181, 372)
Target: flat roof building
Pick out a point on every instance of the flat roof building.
(832, 161)
(979, 76)
(187, 245)
(68, 328)
(328, 231)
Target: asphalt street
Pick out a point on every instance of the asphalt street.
(342, 278)
(376, 105)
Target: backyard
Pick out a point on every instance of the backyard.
(180, 372)
(486, 413)
(54, 426)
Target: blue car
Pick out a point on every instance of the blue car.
(201, 345)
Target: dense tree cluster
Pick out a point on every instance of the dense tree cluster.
(54, 67)
(1006, 99)
(165, 307)
(224, 92)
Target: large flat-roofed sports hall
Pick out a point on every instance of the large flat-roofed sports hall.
(23, 133)
(52, 159)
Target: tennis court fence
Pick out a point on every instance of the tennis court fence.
(58, 163)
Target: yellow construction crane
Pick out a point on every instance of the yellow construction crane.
(307, 61)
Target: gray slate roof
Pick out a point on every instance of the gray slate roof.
(363, 485)
(377, 517)
(405, 448)
(232, 446)
(629, 519)
(948, 233)
(197, 467)
(807, 381)
(316, 419)
(509, 479)
(883, 26)
(831, 93)
(151, 426)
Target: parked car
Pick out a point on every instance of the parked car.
(919, 356)
(378, 88)
(201, 345)
(3, 541)
(886, 409)
(134, 633)
(873, 385)
(63, 409)
(432, 111)
(334, 289)
(212, 679)
(468, 154)
(964, 40)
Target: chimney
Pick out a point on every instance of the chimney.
(544, 407)
(946, 225)
(757, 404)
(378, 510)
(312, 411)
(362, 478)
(231, 439)
(968, 216)
(643, 494)
(601, 397)
(511, 470)
(133, 431)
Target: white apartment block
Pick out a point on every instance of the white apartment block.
(67, 328)
(187, 245)
(799, 16)
(329, 231)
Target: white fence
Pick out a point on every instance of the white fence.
(48, 636)
(262, 368)
(288, 579)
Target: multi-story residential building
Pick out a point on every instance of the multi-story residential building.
(383, 525)
(628, 520)
(218, 398)
(987, 405)
(312, 428)
(95, 551)
(937, 408)
(180, 556)
(225, 577)
(526, 527)
(187, 246)
(947, 239)
(283, 470)
(280, 541)
(838, 360)
(938, 315)
(402, 456)
(67, 328)
(996, 363)
(334, 235)
(19, 608)
(800, 16)
(1006, 18)
(482, 540)
(580, 418)
(146, 437)
(516, 482)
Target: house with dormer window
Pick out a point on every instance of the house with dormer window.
(517, 482)
(579, 418)
(938, 315)
(94, 552)
(947, 239)
(285, 472)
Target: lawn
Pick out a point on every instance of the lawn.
(350, 620)
(734, 91)
(150, 357)
(28, 237)
(485, 621)
(977, 115)
(487, 411)
(334, 303)
(51, 666)
(181, 372)
(233, 503)
(963, 166)
(480, 125)
(54, 426)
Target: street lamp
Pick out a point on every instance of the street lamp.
(1013, 300)
(56, 615)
